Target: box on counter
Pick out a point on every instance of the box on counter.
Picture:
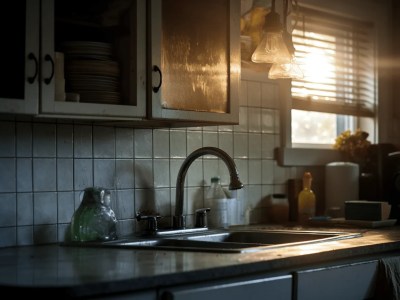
(366, 210)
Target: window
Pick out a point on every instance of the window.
(338, 91)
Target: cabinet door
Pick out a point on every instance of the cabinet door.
(94, 51)
(350, 281)
(277, 288)
(195, 60)
(19, 52)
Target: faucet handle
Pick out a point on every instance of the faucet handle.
(151, 221)
(201, 217)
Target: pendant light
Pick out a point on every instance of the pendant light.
(272, 48)
(287, 69)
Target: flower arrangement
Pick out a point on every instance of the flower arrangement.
(354, 146)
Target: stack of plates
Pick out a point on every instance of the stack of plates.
(91, 72)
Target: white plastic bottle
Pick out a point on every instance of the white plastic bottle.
(217, 202)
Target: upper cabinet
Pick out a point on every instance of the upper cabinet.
(20, 60)
(133, 60)
(194, 60)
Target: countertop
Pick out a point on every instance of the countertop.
(79, 271)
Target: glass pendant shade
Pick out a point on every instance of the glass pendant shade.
(272, 49)
(289, 70)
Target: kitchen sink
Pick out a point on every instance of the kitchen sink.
(223, 241)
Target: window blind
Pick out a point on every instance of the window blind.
(336, 55)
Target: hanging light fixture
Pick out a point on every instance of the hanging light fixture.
(272, 48)
(290, 69)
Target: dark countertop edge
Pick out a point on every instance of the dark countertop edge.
(285, 265)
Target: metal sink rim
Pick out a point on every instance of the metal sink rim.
(192, 241)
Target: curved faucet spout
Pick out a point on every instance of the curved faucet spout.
(235, 183)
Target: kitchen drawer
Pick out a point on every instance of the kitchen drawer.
(349, 281)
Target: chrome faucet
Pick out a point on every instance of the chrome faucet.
(179, 221)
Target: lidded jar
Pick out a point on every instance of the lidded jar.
(94, 220)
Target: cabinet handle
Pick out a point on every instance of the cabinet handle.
(33, 57)
(157, 88)
(48, 58)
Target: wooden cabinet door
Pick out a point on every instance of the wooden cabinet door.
(194, 62)
(102, 48)
(19, 52)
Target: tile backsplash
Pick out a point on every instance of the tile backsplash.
(46, 165)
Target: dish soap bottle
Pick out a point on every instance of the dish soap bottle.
(216, 200)
(306, 199)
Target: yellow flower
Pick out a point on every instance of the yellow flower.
(355, 146)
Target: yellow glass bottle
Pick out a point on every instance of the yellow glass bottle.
(306, 200)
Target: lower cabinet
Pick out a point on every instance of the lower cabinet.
(276, 288)
(347, 281)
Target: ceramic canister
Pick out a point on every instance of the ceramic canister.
(341, 184)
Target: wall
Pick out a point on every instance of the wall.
(45, 165)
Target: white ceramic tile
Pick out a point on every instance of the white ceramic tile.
(144, 201)
(243, 121)
(195, 173)
(178, 144)
(210, 139)
(24, 235)
(7, 175)
(161, 173)
(162, 199)
(255, 145)
(45, 208)
(24, 174)
(126, 227)
(45, 234)
(195, 200)
(267, 145)
(254, 195)
(243, 93)
(65, 140)
(254, 171)
(281, 174)
(8, 139)
(8, 211)
(243, 169)
(125, 173)
(175, 165)
(254, 115)
(194, 141)
(65, 174)
(65, 206)
(63, 234)
(226, 128)
(124, 142)
(82, 141)
(125, 204)
(161, 143)
(24, 139)
(8, 236)
(211, 169)
(267, 121)
(44, 140)
(104, 173)
(44, 174)
(254, 93)
(210, 128)
(277, 127)
(269, 95)
(224, 173)
(225, 142)
(24, 209)
(267, 171)
(103, 142)
(144, 173)
(83, 174)
(240, 145)
(143, 143)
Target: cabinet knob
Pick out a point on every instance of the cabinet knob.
(33, 57)
(48, 58)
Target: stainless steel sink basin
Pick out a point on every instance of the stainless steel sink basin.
(224, 241)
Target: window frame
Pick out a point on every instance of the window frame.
(368, 11)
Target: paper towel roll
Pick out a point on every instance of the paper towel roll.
(341, 184)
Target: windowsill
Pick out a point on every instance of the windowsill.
(295, 157)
